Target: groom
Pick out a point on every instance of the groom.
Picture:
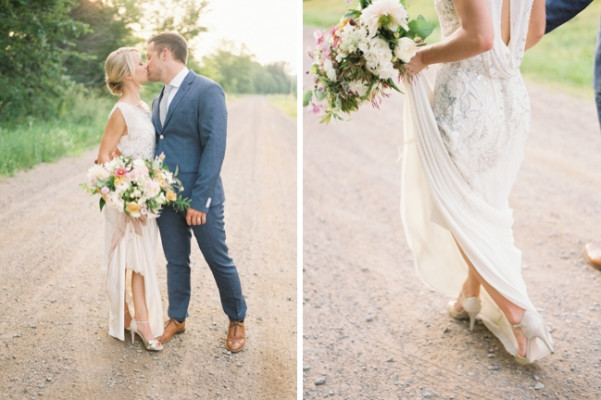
(559, 12)
(190, 119)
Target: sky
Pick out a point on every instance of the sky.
(268, 28)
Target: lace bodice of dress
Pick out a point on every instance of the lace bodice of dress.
(503, 60)
(449, 22)
(481, 104)
(140, 140)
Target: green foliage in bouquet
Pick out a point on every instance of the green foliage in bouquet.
(136, 187)
(359, 59)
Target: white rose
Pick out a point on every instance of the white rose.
(358, 87)
(350, 38)
(122, 186)
(97, 172)
(371, 15)
(152, 188)
(115, 201)
(329, 68)
(405, 50)
(378, 58)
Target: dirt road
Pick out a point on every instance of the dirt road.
(54, 313)
(372, 330)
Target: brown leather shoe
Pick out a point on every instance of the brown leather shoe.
(593, 254)
(172, 328)
(236, 338)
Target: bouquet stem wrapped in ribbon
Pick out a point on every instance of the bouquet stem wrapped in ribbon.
(359, 59)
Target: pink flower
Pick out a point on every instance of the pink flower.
(121, 171)
(105, 190)
(161, 157)
(337, 41)
(333, 31)
(319, 37)
(316, 108)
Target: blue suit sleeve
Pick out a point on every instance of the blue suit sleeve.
(560, 11)
(212, 125)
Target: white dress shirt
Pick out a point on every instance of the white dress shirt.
(175, 83)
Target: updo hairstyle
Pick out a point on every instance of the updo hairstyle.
(117, 66)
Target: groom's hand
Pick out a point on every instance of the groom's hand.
(194, 217)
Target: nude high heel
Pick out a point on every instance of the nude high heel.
(471, 308)
(152, 344)
(127, 328)
(532, 326)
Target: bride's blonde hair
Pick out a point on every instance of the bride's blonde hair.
(117, 66)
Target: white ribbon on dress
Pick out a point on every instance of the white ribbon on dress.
(121, 227)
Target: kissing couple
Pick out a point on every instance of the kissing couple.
(187, 124)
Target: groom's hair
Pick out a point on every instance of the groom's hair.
(174, 42)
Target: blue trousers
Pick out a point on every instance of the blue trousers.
(176, 238)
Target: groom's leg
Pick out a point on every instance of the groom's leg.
(211, 241)
(175, 237)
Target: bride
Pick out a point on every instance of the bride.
(132, 286)
(464, 145)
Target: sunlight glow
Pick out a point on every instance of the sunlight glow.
(266, 27)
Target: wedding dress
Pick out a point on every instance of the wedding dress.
(135, 251)
(464, 143)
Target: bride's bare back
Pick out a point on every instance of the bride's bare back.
(506, 22)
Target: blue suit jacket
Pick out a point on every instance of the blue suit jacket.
(193, 138)
(560, 11)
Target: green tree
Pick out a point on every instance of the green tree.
(181, 16)
(108, 29)
(281, 80)
(237, 71)
(31, 64)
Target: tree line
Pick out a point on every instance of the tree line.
(51, 49)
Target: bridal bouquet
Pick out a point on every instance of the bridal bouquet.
(361, 57)
(135, 187)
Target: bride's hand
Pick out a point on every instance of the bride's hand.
(115, 153)
(414, 66)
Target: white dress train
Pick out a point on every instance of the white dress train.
(136, 251)
(464, 143)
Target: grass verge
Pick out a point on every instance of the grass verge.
(286, 102)
(25, 145)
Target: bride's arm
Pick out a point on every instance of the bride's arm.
(536, 27)
(474, 36)
(115, 128)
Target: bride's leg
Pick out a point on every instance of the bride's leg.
(512, 312)
(471, 286)
(139, 295)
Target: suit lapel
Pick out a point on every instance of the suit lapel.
(181, 92)
(155, 113)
